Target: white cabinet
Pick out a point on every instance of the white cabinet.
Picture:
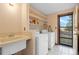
(51, 39)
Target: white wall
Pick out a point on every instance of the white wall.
(75, 29)
(13, 18)
(10, 18)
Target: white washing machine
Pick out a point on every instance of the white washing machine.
(41, 43)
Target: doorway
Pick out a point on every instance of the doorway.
(65, 29)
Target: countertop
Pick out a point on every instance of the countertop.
(11, 38)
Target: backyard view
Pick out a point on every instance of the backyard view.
(66, 28)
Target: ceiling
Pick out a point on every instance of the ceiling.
(48, 8)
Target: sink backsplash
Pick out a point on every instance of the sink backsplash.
(13, 34)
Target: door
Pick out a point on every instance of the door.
(66, 29)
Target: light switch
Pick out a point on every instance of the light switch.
(24, 28)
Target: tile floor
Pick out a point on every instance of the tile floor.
(61, 50)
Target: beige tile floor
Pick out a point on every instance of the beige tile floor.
(61, 50)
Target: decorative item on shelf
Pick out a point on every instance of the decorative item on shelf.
(33, 21)
(50, 28)
(37, 21)
(11, 4)
(30, 21)
(45, 26)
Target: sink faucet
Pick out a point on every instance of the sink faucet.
(11, 35)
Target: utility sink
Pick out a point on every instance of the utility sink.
(13, 48)
(12, 44)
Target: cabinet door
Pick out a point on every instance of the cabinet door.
(25, 17)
